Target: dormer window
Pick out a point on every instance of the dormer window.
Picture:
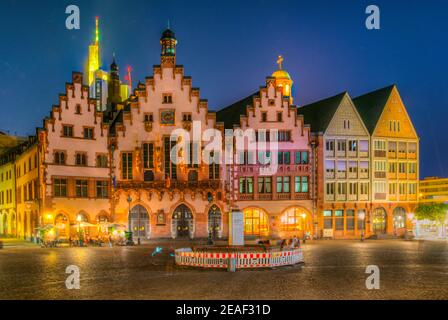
(167, 98)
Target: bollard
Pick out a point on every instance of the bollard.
(231, 266)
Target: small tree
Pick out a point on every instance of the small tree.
(436, 212)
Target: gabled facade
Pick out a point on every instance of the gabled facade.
(75, 173)
(342, 151)
(275, 203)
(394, 158)
(154, 197)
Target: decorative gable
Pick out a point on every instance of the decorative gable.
(346, 120)
(394, 121)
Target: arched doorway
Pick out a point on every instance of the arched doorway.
(255, 222)
(139, 222)
(182, 223)
(13, 225)
(296, 220)
(4, 221)
(399, 215)
(214, 222)
(25, 226)
(379, 221)
(62, 225)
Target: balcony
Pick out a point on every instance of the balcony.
(281, 168)
(329, 175)
(352, 197)
(363, 197)
(352, 175)
(380, 153)
(364, 175)
(363, 154)
(380, 174)
(412, 155)
(271, 197)
(352, 154)
(174, 184)
(341, 175)
(380, 196)
(329, 197)
(392, 155)
(245, 197)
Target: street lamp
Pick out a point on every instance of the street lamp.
(79, 219)
(362, 217)
(129, 200)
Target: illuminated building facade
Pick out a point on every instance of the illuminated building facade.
(278, 203)
(27, 185)
(394, 158)
(7, 194)
(342, 153)
(433, 190)
(76, 176)
(154, 197)
(343, 167)
(97, 79)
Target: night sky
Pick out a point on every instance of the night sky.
(229, 47)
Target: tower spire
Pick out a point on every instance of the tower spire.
(97, 31)
(94, 63)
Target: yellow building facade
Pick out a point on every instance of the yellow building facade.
(394, 159)
(7, 195)
(27, 189)
(433, 190)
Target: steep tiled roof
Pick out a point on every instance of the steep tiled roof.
(370, 106)
(319, 114)
(230, 115)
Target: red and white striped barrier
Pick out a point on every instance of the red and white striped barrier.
(186, 257)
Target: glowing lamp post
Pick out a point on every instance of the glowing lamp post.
(362, 217)
(129, 200)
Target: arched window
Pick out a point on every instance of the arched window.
(294, 219)
(214, 221)
(399, 218)
(379, 220)
(255, 222)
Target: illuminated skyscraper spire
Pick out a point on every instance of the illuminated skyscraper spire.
(97, 32)
(93, 63)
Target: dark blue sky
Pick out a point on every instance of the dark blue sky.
(229, 47)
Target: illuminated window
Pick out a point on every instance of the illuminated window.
(81, 188)
(294, 219)
(255, 222)
(126, 165)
